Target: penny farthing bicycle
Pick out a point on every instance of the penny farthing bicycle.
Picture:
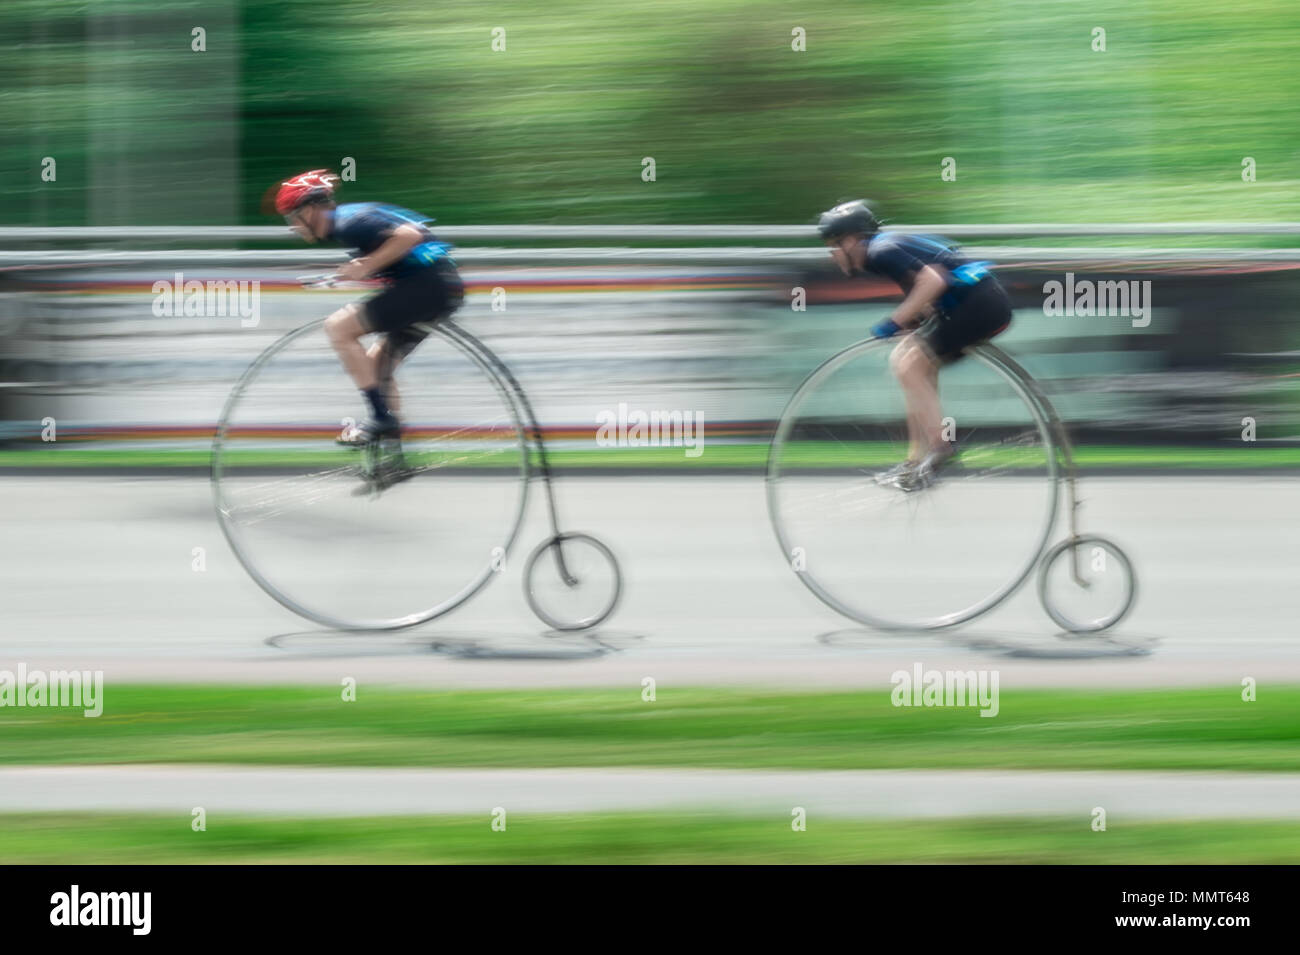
(941, 556)
(389, 536)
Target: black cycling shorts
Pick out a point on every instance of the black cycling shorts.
(982, 313)
(422, 295)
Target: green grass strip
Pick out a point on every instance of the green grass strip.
(111, 838)
(753, 455)
(1183, 729)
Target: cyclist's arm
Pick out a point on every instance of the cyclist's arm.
(930, 284)
(403, 239)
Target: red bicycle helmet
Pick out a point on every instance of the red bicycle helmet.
(314, 186)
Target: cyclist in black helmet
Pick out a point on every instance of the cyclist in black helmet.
(949, 302)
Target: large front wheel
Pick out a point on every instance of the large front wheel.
(321, 528)
(922, 559)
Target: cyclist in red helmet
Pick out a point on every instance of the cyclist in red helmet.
(391, 243)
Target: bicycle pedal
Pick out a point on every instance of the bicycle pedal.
(373, 484)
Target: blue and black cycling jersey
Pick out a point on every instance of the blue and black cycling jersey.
(900, 256)
(365, 226)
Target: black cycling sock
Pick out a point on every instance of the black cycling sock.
(377, 403)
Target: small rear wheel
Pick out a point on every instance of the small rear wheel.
(1087, 584)
(572, 582)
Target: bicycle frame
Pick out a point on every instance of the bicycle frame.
(537, 443)
(1061, 465)
(502, 371)
(1064, 448)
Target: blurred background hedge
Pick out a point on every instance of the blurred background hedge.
(741, 127)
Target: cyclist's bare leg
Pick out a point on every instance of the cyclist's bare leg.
(372, 372)
(385, 363)
(345, 328)
(918, 374)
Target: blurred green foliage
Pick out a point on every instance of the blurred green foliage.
(741, 127)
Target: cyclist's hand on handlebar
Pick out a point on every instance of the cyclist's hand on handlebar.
(355, 270)
(886, 329)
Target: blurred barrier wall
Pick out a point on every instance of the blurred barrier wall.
(710, 329)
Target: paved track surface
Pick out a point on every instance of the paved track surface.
(864, 793)
(98, 574)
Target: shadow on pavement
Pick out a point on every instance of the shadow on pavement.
(1058, 646)
(546, 645)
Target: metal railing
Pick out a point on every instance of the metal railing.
(270, 233)
(14, 257)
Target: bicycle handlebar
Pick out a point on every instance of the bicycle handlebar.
(323, 280)
(334, 280)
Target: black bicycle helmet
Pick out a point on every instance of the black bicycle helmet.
(848, 218)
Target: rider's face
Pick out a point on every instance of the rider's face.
(847, 252)
(306, 222)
